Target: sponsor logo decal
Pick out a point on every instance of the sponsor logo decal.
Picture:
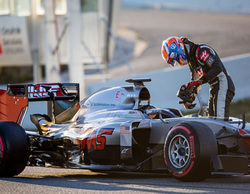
(210, 61)
(43, 90)
(96, 140)
(204, 55)
(118, 94)
(192, 146)
(184, 172)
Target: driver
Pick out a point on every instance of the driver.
(206, 67)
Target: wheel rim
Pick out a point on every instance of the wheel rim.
(179, 151)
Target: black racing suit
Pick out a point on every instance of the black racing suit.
(205, 62)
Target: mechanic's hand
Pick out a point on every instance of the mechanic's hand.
(194, 83)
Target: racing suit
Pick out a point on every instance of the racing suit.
(205, 65)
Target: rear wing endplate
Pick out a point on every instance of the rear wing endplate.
(14, 101)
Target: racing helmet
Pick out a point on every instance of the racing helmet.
(173, 52)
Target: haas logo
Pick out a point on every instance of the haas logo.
(204, 55)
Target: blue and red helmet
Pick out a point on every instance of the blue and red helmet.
(173, 51)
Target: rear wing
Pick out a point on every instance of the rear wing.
(14, 101)
(45, 92)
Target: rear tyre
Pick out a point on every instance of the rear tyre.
(188, 149)
(14, 149)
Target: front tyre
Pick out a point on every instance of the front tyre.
(188, 149)
(14, 149)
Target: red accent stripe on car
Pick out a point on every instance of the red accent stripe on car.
(242, 132)
(181, 127)
(185, 172)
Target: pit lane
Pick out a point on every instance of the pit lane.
(51, 180)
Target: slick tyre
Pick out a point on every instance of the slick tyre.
(188, 149)
(14, 149)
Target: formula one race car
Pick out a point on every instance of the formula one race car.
(117, 129)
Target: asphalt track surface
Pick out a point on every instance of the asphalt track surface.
(55, 180)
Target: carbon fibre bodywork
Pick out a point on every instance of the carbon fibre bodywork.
(118, 129)
(113, 130)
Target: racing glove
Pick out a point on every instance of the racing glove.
(187, 105)
(194, 83)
